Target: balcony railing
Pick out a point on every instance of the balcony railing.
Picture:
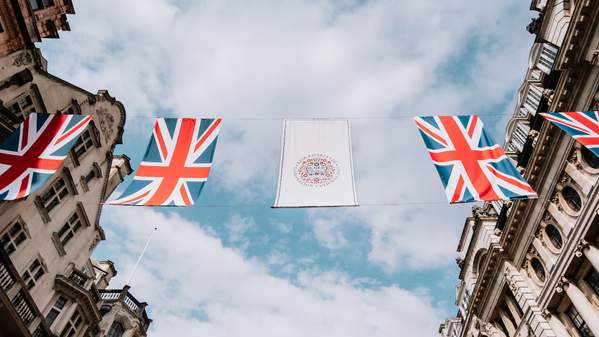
(15, 296)
(78, 278)
(130, 302)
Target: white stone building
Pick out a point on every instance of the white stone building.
(531, 267)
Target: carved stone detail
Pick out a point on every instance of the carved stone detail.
(580, 247)
(106, 123)
(562, 285)
(22, 59)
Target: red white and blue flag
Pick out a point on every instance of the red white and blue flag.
(35, 150)
(582, 126)
(176, 164)
(471, 165)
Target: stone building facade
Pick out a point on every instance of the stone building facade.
(531, 267)
(49, 286)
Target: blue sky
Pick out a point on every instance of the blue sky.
(224, 271)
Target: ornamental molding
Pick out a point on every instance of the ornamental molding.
(581, 246)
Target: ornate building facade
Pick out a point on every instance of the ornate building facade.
(49, 286)
(531, 267)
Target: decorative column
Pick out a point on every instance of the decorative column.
(499, 329)
(589, 251)
(556, 324)
(512, 306)
(507, 322)
(581, 303)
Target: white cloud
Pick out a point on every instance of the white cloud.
(238, 226)
(197, 287)
(293, 58)
(329, 232)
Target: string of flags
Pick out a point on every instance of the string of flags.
(176, 164)
(316, 168)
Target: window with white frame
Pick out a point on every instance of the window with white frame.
(73, 325)
(33, 273)
(13, 237)
(56, 309)
(84, 143)
(70, 228)
(55, 194)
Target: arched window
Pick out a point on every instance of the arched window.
(572, 198)
(538, 268)
(554, 235)
(589, 157)
(116, 330)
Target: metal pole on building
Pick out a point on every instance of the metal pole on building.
(141, 255)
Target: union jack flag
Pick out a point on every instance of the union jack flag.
(176, 163)
(35, 150)
(582, 126)
(471, 165)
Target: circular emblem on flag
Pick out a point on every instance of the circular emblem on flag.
(316, 170)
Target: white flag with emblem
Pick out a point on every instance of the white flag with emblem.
(316, 165)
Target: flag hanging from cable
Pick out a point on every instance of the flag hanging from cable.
(471, 165)
(176, 164)
(35, 151)
(316, 167)
(582, 126)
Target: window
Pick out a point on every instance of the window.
(90, 176)
(572, 198)
(13, 237)
(592, 279)
(84, 143)
(69, 229)
(116, 330)
(57, 192)
(539, 270)
(589, 157)
(579, 323)
(22, 106)
(554, 236)
(33, 273)
(73, 325)
(56, 310)
(40, 4)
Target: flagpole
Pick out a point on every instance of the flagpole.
(141, 255)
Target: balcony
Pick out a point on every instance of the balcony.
(19, 316)
(123, 296)
(80, 287)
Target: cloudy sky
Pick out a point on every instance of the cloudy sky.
(233, 267)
